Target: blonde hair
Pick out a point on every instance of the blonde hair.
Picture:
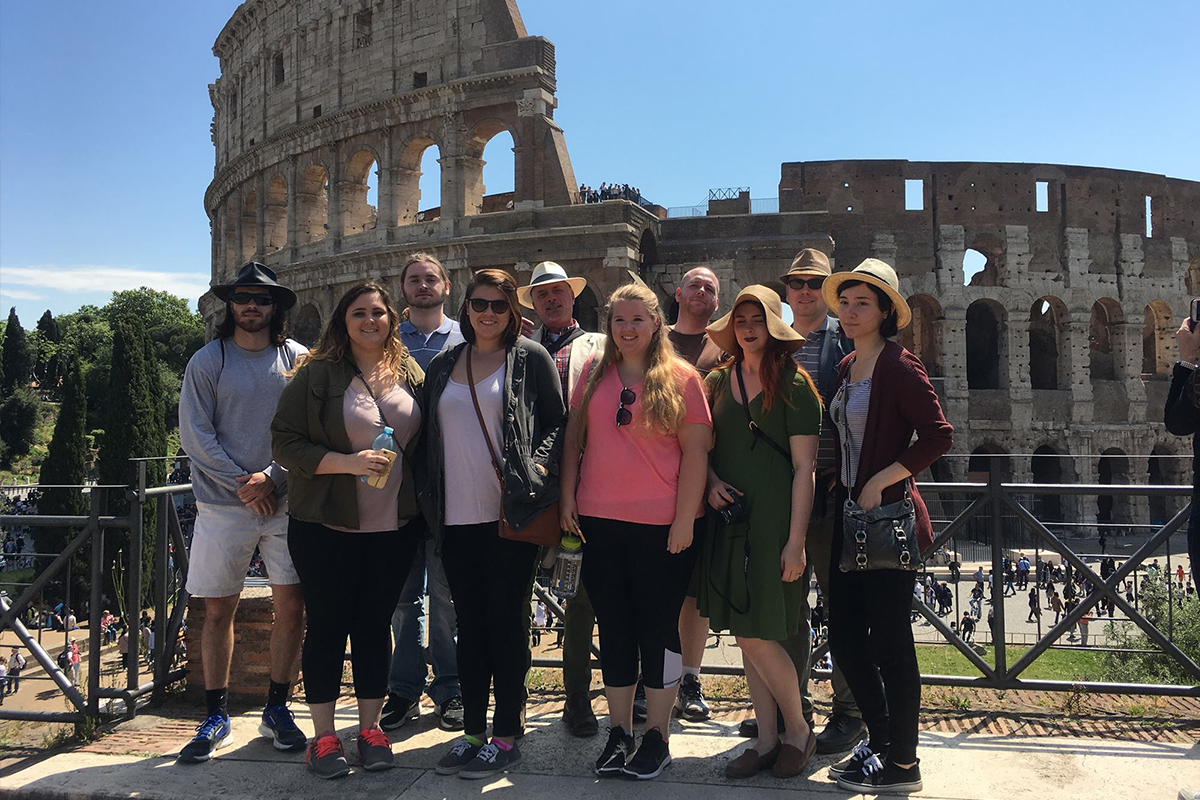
(334, 343)
(663, 407)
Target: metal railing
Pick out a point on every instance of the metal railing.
(170, 599)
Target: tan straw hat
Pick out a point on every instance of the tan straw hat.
(548, 272)
(721, 331)
(878, 274)
(808, 261)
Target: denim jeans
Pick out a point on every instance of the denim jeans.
(409, 672)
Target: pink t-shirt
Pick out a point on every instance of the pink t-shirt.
(629, 473)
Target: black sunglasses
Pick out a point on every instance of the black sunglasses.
(813, 283)
(624, 415)
(245, 298)
(479, 305)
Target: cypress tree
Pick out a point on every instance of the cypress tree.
(17, 362)
(50, 363)
(66, 464)
(133, 428)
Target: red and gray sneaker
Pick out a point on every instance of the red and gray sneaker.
(374, 749)
(325, 757)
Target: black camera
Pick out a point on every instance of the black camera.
(737, 511)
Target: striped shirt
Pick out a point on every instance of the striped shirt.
(809, 357)
(849, 411)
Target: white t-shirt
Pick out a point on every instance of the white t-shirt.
(472, 490)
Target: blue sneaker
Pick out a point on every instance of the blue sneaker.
(279, 725)
(213, 734)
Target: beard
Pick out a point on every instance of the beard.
(252, 324)
(426, 301)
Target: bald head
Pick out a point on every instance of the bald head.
(697, 297)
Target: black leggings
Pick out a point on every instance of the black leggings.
(871, 640)
(637, 589)
(491, 581)
(351, 584)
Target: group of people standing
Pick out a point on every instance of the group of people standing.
(705, 466)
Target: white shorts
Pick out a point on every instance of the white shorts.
(223, 545)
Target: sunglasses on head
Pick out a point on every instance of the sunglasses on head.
(799, 283)
(624, 415)
(245, 298)
(479, 305)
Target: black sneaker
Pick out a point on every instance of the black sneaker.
(461, 754)
(397, 711)
(689, 700)
(861, 752)
(617, 751)
(578, 715)
(212, 734)
(490, 760)
(450, 714)
(840, 734)
(639, 702)
(651, 758)
(875, 777)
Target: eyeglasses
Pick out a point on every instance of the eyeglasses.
(799, 283)
(246, 298)
(479, 305)
(624, 415)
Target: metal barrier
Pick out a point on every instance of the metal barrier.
(170, 600)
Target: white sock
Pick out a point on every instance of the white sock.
(692, 671)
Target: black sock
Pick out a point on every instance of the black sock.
(216, 700)
(277, 695)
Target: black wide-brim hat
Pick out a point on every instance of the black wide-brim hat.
(256, 274)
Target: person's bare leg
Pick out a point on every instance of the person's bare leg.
(658, 709)
(216, 640)
(287, 632)
(620, 706)
(693, 633)
(765, 708)
(369, 711)
(778, 672)
(322, 717)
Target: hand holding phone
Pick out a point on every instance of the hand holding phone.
(1195, 318)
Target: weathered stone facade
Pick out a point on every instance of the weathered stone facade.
(1058, 351)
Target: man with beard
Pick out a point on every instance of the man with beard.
(551, 294)
(226, 404)
(697, 298)
(426, 332)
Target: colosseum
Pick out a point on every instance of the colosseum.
(1056, 352)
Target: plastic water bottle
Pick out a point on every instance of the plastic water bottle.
(567, 567)
(387, 444)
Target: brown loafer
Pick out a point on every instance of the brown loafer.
(792, 760)
(750, 763)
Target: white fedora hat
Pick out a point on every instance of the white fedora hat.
(548, 272)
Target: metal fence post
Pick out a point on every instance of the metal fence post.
(999, 639)
(161, 558)
(133, 600)
(97, 583)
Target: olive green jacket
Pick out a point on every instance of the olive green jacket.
(309, 423)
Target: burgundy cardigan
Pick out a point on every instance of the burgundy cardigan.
(903, 401)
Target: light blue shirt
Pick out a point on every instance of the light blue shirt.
(423, 348)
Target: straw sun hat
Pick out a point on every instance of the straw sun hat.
(721, 331)
(877, 274)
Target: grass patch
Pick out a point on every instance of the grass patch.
(1052, 665)
(12, 581)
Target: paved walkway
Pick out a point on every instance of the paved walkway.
(956, 766)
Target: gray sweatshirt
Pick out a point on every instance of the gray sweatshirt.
(225, 414)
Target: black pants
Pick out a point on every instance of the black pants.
(491, 581)
(637, 589)
(870, 637)
(351, 583)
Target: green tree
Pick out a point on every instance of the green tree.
(18, 422)
(1140, 659)
(176, 331)
(134, 428)
(18, 364)
(86, 332)
(46, 360)
(66, 465)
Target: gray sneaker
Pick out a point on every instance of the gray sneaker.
(490, 760)
(325, 757)
(375, 749)
(461, 754)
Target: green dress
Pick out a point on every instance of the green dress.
(741, 587)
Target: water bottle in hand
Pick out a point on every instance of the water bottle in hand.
(386, 444)
(567, 567)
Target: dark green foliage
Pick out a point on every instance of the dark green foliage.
(1181, 626)
(18, 363)
(176, 331)
(135, 428)
(66, 464)
(47, 359)
(18, 419)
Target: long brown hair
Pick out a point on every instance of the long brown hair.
(278, 325)
(776, 362)
(334, 344)
(663, 407)
(501, 280)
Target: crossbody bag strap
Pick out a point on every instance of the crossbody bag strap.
(482, 424)
(756, 431)
(378, 405)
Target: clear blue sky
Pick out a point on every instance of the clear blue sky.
(104, 110)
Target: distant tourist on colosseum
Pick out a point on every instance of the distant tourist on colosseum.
(551, 294)
(226, 404)
(884, 396)
(1182, 416)
(351, 502)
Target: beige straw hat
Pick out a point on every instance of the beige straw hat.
(721, 331)
(876, 273)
